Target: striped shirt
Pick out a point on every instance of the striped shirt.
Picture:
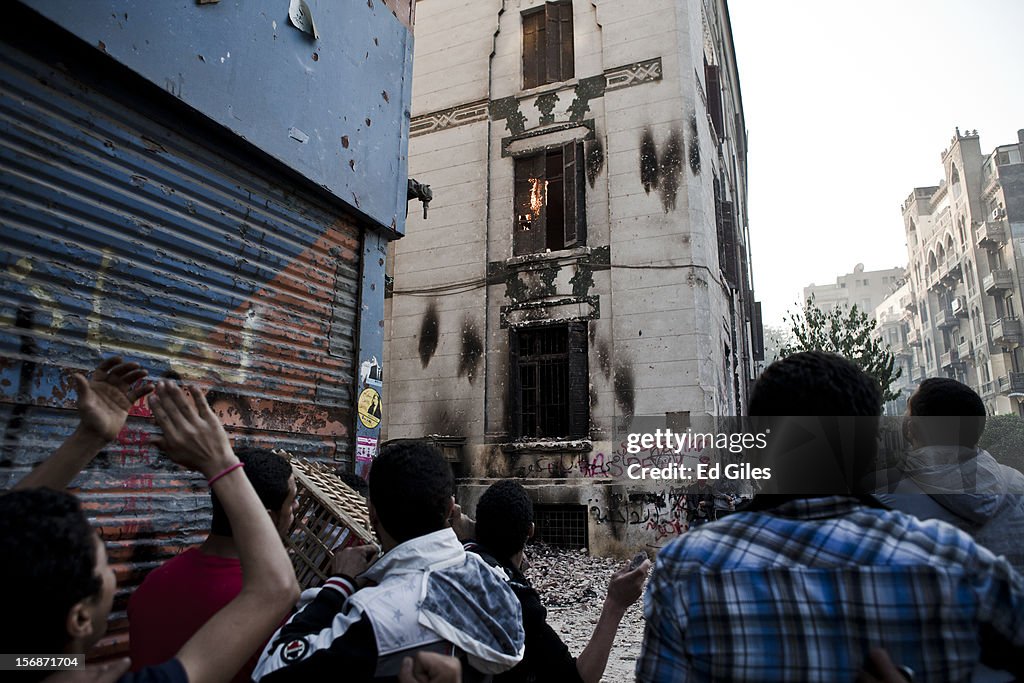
(803, 591)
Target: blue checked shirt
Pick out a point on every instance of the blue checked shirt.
(802, 592)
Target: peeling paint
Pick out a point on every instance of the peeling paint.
(507, 108)
(583, 280)
(546, 106)
(587, 89)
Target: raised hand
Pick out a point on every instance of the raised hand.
(192, 435)
(105, 399)
(353, 561)
(627, 585)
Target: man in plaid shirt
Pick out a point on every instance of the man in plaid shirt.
(802, 587)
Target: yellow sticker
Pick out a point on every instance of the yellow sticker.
(369, 408)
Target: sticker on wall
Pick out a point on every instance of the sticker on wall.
(371, 373)
(369, 408)
(366, 448)
(302, 18)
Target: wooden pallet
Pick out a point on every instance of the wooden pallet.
(331, 515)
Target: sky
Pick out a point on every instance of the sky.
(848, 107)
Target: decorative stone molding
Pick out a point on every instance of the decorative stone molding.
(544, 107)
(633, 74)
(448, 118)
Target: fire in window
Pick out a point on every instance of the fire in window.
(547, 44)
(550, 200)
(549, 393)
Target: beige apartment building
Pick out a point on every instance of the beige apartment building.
(585, 257)
(865, 289)
(964, 242)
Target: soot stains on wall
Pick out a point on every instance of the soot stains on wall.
(694, 146)
(429, 333)
(472, 349)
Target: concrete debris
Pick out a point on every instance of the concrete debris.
(573, 585)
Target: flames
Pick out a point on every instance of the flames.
(538, 198)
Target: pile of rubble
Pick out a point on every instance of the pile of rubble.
(573, 586)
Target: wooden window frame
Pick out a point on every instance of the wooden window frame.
(556, 177)
(577, 405)
(548, 49)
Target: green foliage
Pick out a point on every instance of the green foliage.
(848, 333)
(1004, 439)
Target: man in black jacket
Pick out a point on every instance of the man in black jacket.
(503, 525)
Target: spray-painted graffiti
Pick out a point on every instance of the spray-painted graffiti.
(664, 513)
(611, 465)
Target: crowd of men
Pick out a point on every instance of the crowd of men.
(920, 581)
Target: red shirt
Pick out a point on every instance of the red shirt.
(174, 602)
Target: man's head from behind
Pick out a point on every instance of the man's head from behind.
(57, 586)
(846, 404)
(504, 519)
(411, 489)
(944, 412)
(271, 476)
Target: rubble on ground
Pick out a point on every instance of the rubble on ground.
(573, 585)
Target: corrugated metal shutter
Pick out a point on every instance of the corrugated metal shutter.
(121, 235)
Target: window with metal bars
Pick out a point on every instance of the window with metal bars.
(549, 385)
(563, 526)
(547, 44)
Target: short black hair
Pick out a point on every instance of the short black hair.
(503, 518)
(411, 485)
(945, 397)
(268, 473)
(847, 405)
(355, 482)
(49, 564)
(815, 383)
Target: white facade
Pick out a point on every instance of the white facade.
(645, 300)
(963, 243)
(865, 289)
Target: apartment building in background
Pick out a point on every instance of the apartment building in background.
(866, 289)
(965, 258)
(585, 258)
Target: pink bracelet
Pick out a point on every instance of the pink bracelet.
(212, 480)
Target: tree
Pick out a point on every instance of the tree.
(848, 333)
(776, 338)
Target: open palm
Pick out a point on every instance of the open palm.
(105, 399)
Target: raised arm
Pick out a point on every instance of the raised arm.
(624, 589)
(103, 404)
(195, 438)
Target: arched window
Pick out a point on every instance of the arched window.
(932, 263)
(954, 178)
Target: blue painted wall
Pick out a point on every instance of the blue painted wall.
(334, 108)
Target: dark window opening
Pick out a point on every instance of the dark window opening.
(713, 81)
(547, 44)
(549, 393)
(728, 243)
(549, 200)
(563, 526)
